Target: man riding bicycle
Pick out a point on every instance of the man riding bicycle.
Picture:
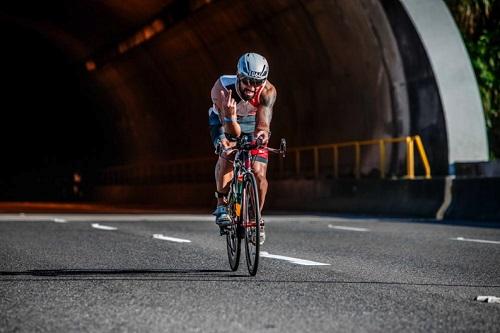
(242, 106)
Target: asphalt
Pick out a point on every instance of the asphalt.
(63, 273)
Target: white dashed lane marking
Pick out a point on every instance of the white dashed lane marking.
(292, 260)
(339, 227)
(488, 299)
(102, 227)
(171, 239)
(475, 240)
(59, 220)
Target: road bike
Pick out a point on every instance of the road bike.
(243, 203)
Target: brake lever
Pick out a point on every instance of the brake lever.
(218, 149)
(283, 147)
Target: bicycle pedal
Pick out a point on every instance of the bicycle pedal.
(223, 231)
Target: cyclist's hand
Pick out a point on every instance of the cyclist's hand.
(228, 105)
(263, 135)
(222, 145)
(225, 143)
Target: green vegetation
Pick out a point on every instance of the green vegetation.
(479, 22)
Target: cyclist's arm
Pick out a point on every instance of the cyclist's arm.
(228, 113)
(228, 121)
(265, 112)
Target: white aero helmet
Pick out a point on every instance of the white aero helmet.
(253, 67)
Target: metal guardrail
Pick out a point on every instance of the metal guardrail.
(201, 169)
(357, 145)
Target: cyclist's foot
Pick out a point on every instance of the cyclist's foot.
(223, 231)
(262, 233)
(222, 219)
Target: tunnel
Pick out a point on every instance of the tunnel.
(92, 85)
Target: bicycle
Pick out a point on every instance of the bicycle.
(243, 204)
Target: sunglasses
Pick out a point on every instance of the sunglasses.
(252, 82)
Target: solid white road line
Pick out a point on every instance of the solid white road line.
(476, 240)
(292, 260)
(339, 227)
(102, 227)
(58, 220)
(171, 239)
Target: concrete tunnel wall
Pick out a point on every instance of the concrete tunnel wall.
(345, 70)
(340, 72)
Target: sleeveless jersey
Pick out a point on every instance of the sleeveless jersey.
(245, 111)
(243, 108)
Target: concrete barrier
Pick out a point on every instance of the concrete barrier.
(471, 198)
(475, 199)
(419, 198)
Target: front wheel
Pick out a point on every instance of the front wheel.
(251, 222)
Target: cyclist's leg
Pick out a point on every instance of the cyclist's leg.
(222, 168)
(223, 176)
(260, 172)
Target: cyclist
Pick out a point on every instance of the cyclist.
(242, 105)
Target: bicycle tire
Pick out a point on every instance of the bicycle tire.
(233, 241)
(251, 222)
(233, 244)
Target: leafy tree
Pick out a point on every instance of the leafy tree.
(479, 22)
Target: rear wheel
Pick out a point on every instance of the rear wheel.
(233, 247)
(251, 222)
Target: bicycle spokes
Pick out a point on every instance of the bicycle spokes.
(251, 221)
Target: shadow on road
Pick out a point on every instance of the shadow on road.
(121, 272)
(194, 275)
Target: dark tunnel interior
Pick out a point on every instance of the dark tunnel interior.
(47, 128)
(339, 67)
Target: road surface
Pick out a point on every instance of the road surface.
(167, 272)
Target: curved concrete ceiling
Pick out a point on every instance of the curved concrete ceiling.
(344, 70)
(336, 65)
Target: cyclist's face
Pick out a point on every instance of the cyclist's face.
(248, 88)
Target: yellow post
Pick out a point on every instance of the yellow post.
(410, 158)
(336, 161)
(423, 156)
(358, 160)
(316, 162)
(382, 158)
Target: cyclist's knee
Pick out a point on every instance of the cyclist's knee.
(224, 166)
(260, 170)
(260, 175)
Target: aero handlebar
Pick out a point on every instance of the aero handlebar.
(243, 144)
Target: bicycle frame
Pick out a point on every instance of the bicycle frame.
(241, 165)
(243, 204)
